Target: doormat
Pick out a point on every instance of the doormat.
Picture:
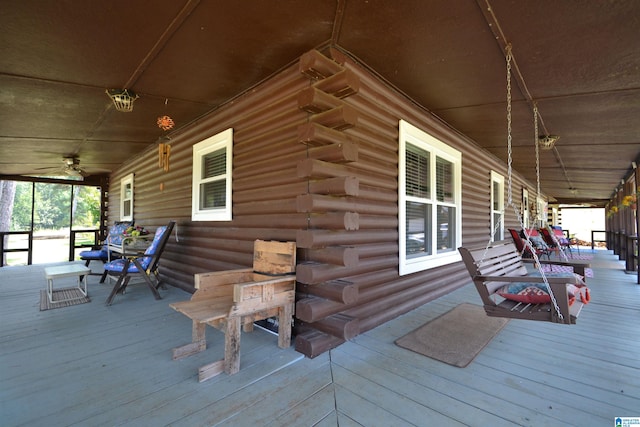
(63, 293)
(455, 337)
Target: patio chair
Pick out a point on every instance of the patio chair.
(144, 265)
(101, 253)
(525, 251)
(557, 241)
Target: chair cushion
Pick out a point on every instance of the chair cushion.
(538, 243)
(99, 254)
(116, 266)
(153, 247)
(116, 232)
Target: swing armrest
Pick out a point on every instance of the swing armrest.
(578, 266)
(524, 279)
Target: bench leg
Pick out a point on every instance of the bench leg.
(198, 342)
(232, 345)
(285, 314)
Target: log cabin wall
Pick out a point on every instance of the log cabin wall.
(315, 161)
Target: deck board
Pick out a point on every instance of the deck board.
(95, 365)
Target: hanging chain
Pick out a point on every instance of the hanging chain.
(509, 192)
(527, 241)
(535, 141)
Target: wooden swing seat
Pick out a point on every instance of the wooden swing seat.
(500, 263)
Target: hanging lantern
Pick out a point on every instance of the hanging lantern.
(547, 141)
(122, 99)
(165, 122)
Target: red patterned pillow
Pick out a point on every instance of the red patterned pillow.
(529, 293)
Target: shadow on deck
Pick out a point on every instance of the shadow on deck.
(95, 365)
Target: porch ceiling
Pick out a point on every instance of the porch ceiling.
(579, 61)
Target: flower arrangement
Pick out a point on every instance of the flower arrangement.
(138, 230)
(628, 201)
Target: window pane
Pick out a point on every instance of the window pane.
(497, 234)
(213, 194)
(496, 196)
(444, 180)
(446, 228)
(418, 242)
(417, 179)
(86, 209)
(126, 208)
(127, 191)
(214, 164)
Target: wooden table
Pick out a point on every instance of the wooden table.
(69, 270)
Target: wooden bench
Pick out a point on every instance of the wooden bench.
(228, 299)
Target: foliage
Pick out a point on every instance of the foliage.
(52, 207)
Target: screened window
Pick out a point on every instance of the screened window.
(126, 198)
(497, 206)
(430, 201)
(212, 165)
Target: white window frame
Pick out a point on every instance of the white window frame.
(126, 182)
(496, 178)
(222, 140)
(409, 134)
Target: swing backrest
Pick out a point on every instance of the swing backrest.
(498, 259)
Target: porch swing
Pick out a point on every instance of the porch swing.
(506, 287)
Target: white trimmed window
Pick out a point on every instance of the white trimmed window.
(430, 201)
(497, 206)
(211, 182)
(126, 198)
(541, 211)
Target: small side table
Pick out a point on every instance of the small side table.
(70, 270)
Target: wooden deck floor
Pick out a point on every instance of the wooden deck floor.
(92, 365)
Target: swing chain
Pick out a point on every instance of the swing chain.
(509, 57)
(535, 141)
(528, 243)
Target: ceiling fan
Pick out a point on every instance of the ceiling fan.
(71, 167)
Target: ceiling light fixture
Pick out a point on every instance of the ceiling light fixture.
(547, 141)
(122, 99)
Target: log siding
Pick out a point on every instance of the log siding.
(315, 162)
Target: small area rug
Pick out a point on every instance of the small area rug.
(578, 256)
(456, 337)
(551, 268)
(63, 293)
